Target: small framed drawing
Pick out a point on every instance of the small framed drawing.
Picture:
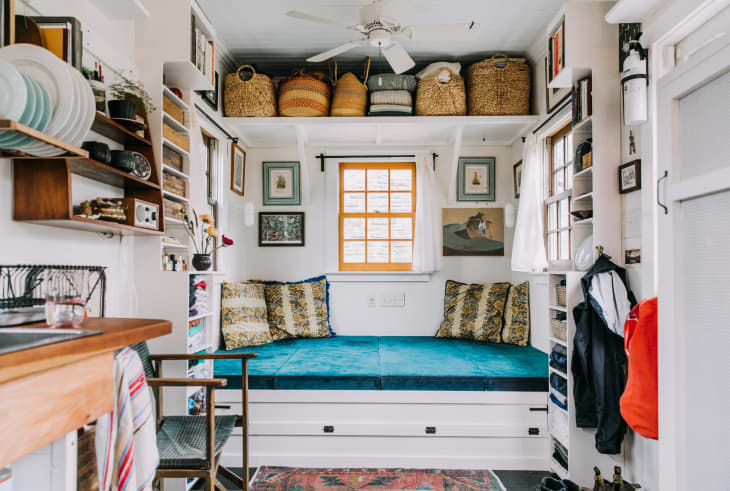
(211, 96)
(238, 169)
(517, 178)
(629, 177)
(281, 183)
(281, 229)
(475, 179)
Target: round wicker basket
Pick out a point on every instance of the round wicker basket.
(252, 96)
(304, 95)
(436, 98)
(499, 86)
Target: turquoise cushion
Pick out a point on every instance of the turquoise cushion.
(426, 363)
(389, 363)
(341, 363)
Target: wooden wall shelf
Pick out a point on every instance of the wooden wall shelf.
(111, 129)
(10, 125)
(92, 225)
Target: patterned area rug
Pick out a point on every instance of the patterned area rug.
(297, 479)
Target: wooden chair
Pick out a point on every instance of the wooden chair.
(191, 446)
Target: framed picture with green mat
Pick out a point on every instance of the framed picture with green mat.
(281, 183)
(475, 179)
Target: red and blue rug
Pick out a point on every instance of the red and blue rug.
(298, 479)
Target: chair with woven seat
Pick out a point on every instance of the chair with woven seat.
(191, 446)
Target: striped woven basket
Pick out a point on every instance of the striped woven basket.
(351, 95)
(303, 95)
(499, 86)
(436, 98)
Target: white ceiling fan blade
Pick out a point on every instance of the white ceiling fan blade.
(323, 20)
(336, 51)
(398, 58)
(442, 32)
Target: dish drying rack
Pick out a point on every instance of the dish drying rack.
(23, 290)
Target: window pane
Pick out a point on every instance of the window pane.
(401, 228)
(564, 245)
(378, 228)
(378, 251)
(354, 203)
(377, 202)
(553, 247)
(401, 252)
(353, 228)
(377, 179)
(353, 180)
(559, 181)
(401, 202)
(558, 153)
(401, 180)
(353, 252)
(563, 216)
(552, 216)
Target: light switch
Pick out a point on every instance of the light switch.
(371, 301)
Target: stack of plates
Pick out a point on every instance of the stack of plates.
(39, 90)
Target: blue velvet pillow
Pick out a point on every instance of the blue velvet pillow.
(299, 309)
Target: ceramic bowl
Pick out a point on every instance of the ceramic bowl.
(123, 160)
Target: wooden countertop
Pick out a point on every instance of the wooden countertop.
(116, 333)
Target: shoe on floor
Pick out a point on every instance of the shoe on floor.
(552, 484)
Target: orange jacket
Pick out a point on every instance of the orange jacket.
(640, 399)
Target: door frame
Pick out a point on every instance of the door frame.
(706, 65)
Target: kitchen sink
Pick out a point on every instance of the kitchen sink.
(20, 338)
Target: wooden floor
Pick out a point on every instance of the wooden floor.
(512, 480)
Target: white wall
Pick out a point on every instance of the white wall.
(349, 301)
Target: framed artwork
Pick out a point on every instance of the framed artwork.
(556, 50)
(63, 37)
(473, 231)
(238, 169)
(629, 177)
(475, 179)
(281, 229)
(517, 178)
(211, 96)
(281, 183)
(7, 22)
(632, 256)
(553, 97)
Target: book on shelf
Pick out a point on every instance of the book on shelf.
(202, 53)
(581, 100)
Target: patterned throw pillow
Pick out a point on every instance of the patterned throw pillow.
(243, 315)
(517, 315)
(298, 310)
(473, 311)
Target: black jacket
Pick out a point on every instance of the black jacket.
(599, 361)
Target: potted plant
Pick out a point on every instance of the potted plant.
(127, 94)
(202, 230)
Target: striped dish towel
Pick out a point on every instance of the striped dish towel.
(126, 438)
(396, 97)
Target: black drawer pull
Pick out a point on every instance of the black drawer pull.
(430, 430)
(328, 429)
(226, 406)
(533, 431)
(538, 409)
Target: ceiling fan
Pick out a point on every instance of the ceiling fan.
(379, 24)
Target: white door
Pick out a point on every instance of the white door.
(694, 271)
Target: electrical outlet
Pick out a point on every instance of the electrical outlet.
(371, 301)
(392, 299)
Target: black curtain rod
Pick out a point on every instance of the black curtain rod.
(322, 157)
(551, 116)
(215, 123)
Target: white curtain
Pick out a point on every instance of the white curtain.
(528, 250)
(426, 254)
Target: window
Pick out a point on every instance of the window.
(210, 164)
(557, 205)
(377, 216)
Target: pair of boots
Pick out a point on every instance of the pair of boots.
(618, 483)
(552, 484)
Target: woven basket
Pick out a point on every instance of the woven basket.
(435, 98)
(559, 329)
(351, 96)
(249, 97)
(499, 86)
(560, 295)
(303, 95)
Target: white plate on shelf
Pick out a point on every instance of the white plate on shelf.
(53, 75)
(13, 139)
(13, 93)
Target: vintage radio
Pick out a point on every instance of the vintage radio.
(142, 213)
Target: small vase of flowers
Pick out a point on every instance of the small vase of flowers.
(202, 231)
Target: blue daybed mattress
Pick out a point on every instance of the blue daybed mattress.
(389, 363)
